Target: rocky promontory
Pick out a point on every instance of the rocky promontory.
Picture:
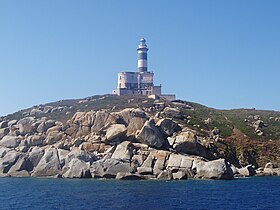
(133, 138)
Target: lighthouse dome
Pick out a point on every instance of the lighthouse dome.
(142, 40)
(142, 43)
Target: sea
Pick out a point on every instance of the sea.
(47, 193)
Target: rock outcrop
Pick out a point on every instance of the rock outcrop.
(49, 164)
(109, 168)
(8, 161)
(246, 171)
(127, 176)
(10, 141)
(151, 136)
(186, 142)
(77, 168)
(115, 131)
(153, 142)
(216, 169)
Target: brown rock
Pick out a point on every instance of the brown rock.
(100, 120)
(53, 137)
(4, 132)
(84, 118)
(92, 147)
(186, 142)
(167, 127)
(115, 131)
(150, 135)
(25, 125)
(123, 151)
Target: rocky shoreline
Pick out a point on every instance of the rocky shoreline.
(129, 144)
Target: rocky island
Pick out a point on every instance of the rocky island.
(136, 137)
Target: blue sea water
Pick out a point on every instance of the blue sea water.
(36, 193)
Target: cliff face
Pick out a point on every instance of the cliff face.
(138, 138)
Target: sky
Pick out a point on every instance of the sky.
(223, 54)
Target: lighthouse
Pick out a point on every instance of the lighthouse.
(142, 56)
(142, 81)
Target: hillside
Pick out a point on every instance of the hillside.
(240, 136)
(225, 120)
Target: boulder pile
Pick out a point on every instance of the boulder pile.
(129, 144)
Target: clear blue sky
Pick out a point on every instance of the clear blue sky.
(221, 53)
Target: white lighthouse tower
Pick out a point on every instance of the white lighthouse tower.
(144, 78)
(142, 56)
